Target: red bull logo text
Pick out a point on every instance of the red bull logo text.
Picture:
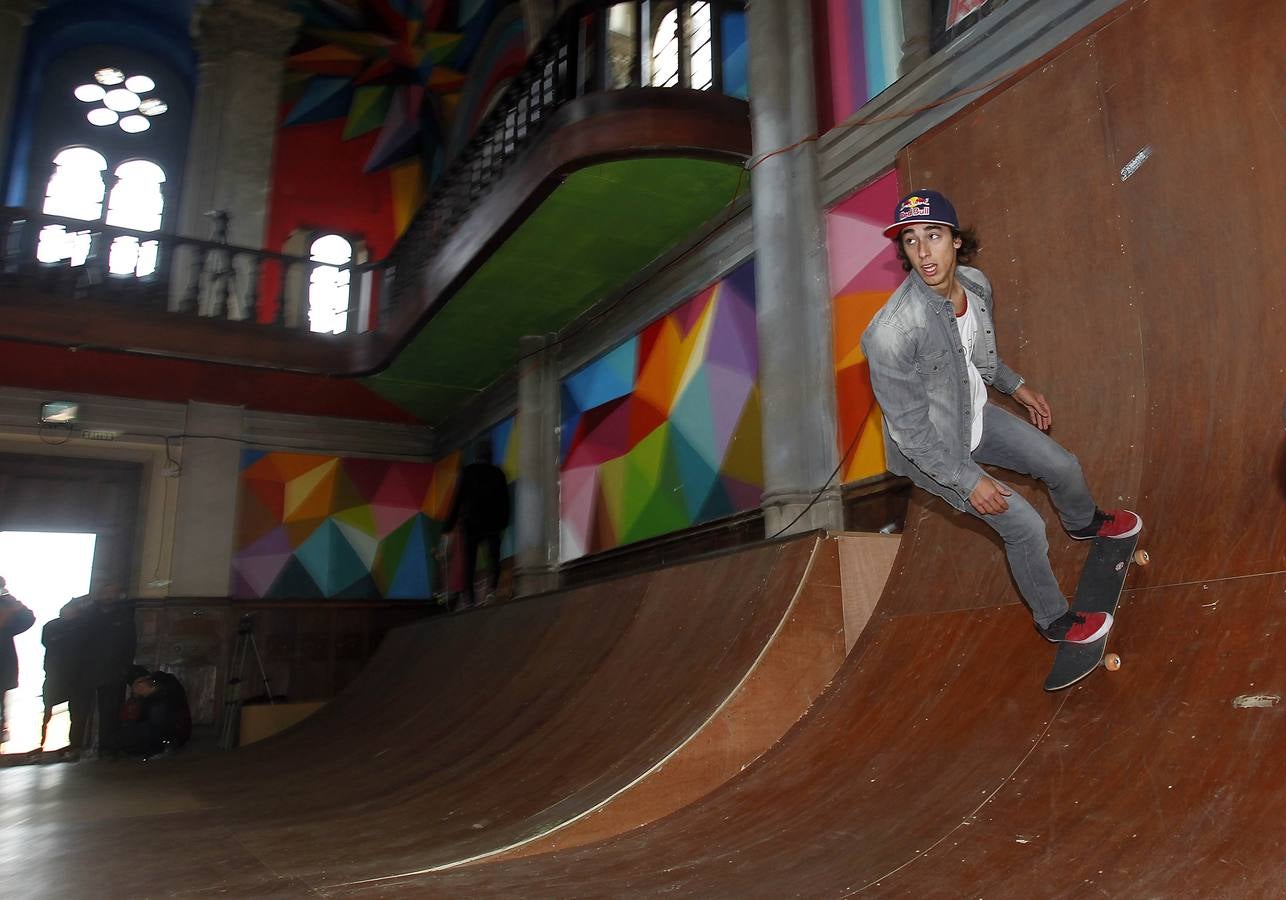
(913, 207)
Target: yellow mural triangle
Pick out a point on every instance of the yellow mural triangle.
(694, 348)
(309, 495)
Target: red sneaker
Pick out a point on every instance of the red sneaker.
(1078, 628)
(1115, 523)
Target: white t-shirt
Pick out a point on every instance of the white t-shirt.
(968, 325)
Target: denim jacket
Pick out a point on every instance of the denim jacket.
(921, 381)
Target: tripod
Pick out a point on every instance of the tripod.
(234, 701)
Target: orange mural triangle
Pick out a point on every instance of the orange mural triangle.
(658, 370)
(302, 530)
(309, 495)
(292, 465)
(265, 467)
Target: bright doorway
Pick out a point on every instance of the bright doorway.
(44, 570)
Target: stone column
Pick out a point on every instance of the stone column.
(916, 23)
(537, 16)
(15, 16)
(536, 538)
(797, 373)
(205, 519)
(242, 46)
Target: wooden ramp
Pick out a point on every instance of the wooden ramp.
(494, 734)
(1118, 188)
(1139, 292)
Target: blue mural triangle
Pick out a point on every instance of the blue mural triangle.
(324, 98)
(695, 474)
(250, 457)
(606, 378)
(412, 579)
(693, 418)
(500, 440)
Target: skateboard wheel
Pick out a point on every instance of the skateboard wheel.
(1141, 558)
(1111, 662)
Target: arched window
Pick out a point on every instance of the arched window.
(135, 202)
(75, 191)
(700, 50)
(328, 284)
(665, 51)
(668, 43)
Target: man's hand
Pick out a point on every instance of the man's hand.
(1037, 407)
(989, 497)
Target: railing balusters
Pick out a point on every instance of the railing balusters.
(573, 59)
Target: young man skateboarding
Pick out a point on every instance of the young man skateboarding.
(932, 352)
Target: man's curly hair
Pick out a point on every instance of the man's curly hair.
(969, 247)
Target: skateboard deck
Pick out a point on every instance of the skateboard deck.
(1099, 590)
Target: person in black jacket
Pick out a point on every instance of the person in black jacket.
(164, 718)
(64, 640)
(481, 508)
(106, 618)
(15, 618)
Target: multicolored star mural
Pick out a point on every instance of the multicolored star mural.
(663, 432)
(396, 66)
(864, 272)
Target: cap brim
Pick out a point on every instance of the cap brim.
(895, 229)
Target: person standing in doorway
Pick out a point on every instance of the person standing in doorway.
(64, 640)
(481, 509)
(932, 355)
(15, 618)
(106, 618)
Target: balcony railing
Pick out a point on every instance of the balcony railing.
(596, 48)
(160, 272)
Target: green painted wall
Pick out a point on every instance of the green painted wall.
(596, 231)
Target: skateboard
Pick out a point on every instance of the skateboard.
(1099, 590)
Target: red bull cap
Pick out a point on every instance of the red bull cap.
(922, 208)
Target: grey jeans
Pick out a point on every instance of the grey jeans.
(1011, 443)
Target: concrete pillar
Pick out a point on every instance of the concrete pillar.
(242, 46)
(792, 286)
(536, 538)
(537, 16)
(15, 16)
(207, 501)
(916, 24)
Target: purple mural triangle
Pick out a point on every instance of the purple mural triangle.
(689, 314)
(259, 572)
(729, 389)
(274, 543)
(742, 495)
(401, 131)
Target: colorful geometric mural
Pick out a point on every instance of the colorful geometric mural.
(311, 526)
(864, 271)
(858, 45)
(663, 432)
(392, 66)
